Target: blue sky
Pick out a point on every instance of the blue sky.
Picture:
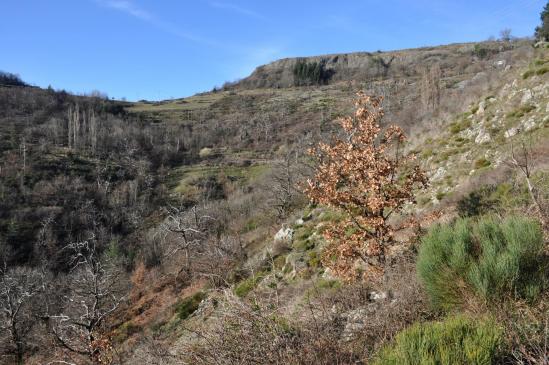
(159, 49)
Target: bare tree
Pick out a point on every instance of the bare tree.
(505, 35)
(190, 227)
(20, 289)
(522, 160)
(285, 177)
(94, 292)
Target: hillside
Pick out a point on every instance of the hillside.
(191, 213)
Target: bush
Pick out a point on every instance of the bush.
(481, 52)
(189, 305)
(459, 126)
(477, 202)
(247, 285)
(485, 260)
(457, 340)
(521, 112)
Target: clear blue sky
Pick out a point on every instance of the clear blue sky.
(158, 49)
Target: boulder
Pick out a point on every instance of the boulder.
(439, 174)
(285, 235)
(529, 124)
(376, 296)
(481, 108)
(483, 137)
(526, 97)
(511, 132)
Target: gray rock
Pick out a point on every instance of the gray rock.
(378, 296)
(526, 97)
(284, 234)
(481, 108)
(511, 132)
(529, 124)
(483, 137)
(462, 84)
(439, 174)
(500, 63)
(479, 76)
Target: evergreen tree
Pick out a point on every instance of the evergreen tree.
(542, 32)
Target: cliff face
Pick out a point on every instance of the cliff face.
(367, 66)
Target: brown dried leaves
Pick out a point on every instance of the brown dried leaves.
(367, 177)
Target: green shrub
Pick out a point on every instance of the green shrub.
(189, 305)
(125, 331)
(247, 285)
(327, 284)
(537, 71)
(521, 112)
(487, 261)
(440, 195)
(455, 341)
(459, 126)
(314, 259)
(481, 52)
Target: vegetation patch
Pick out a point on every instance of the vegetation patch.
(476, 262)
(247, 285)
(491, 198)
(459, 126)
(328, 284)
(189, 305)
(457, 340)
(314, 260)
(186, 180)
(310, 73)
(521, 112)
(482, 163)
(539, 67)
(125, 331)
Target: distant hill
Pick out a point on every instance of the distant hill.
(367, 66)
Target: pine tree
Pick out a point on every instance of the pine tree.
(542, 32)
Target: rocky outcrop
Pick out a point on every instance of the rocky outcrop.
(374, 65)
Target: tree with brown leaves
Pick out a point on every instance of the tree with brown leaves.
(368, 178)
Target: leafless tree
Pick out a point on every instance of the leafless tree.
(94, 291)
(284, 183)
(190, 230)
(505, 35)
(522, 159)
(20, 288)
